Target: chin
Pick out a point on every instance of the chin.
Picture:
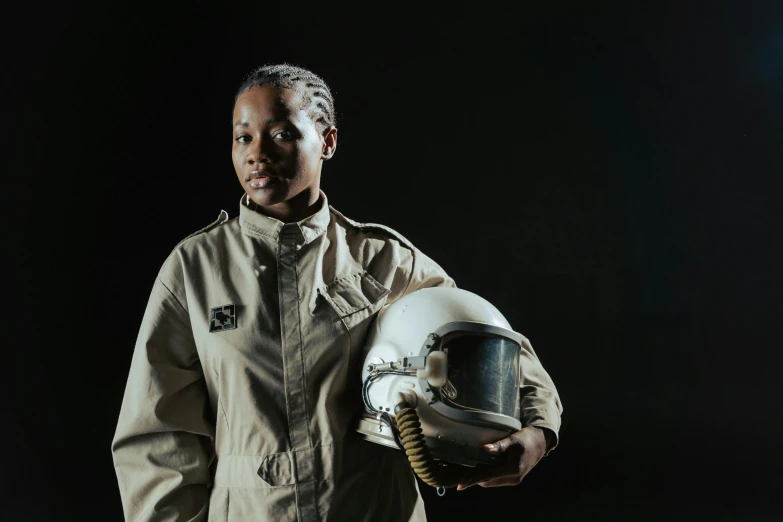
(267, 198)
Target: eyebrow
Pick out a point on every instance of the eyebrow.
(268, 122)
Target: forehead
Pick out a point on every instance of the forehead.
(264, 103)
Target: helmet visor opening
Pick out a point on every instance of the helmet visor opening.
(483, 374)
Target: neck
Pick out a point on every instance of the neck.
(299, 207)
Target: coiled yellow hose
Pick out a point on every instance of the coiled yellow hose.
(422, 462)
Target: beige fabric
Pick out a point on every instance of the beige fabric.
(255, 422)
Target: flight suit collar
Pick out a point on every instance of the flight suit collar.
(254, 223)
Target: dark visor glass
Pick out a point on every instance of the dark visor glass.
(483, 374)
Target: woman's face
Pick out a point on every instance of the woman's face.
(278, 151)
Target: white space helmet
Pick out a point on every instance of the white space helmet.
(440, 380)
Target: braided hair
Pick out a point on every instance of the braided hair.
(316, 94)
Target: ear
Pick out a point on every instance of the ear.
(330, 142)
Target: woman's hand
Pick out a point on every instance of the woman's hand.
(523, 450)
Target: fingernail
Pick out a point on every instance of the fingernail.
(491, 447)
(460, 487)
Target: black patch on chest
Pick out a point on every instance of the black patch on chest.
(222, 318)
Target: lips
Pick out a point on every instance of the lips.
(260, 179)
(259, 174)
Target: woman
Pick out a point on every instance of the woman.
(243, 387)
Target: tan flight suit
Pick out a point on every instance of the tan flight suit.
(245, 379)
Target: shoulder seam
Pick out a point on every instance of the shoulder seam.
(222, 218)
(396, 235)
(373, 226)
(163, 283)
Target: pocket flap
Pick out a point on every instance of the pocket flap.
(350, 294)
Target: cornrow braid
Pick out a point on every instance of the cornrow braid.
(317, 96)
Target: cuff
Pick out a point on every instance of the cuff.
(551, 437)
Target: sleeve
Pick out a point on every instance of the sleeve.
(426, 273)
(540, 404)
(163, 444)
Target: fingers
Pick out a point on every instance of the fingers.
(507, 469)
(509, 473)
(510, 480)
(505, 481)
(501, 445)
(522, 450)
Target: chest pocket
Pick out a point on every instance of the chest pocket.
(355, 298)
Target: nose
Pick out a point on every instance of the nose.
(259, 151)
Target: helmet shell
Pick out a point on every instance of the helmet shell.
(415, 326)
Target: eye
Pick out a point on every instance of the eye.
(241, 138)
(283, 135)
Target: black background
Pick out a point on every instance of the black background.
(608, 175)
